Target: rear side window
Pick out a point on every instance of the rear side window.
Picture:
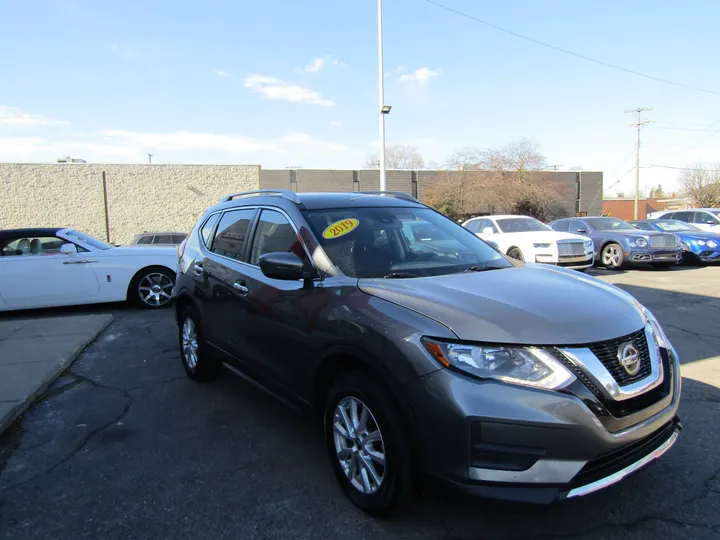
(683, 216)
(178, 238)
(232, 232)
(273, 234)
(163, 239)
(207, 229)
(145, 240)
(562, 226)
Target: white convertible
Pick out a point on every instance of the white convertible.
(61, 267)
(527, 239)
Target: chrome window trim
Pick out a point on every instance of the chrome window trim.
(254, 207)
(593, 368)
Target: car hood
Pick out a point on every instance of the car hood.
(543, 236)
(530, 305)
(694, 236)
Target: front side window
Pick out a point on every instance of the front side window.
(706, 218)
(561, 226)
(45, 245)
(512, 225)
(577, 226)
(609, 224)
(376, 243)
(643, 226)
(231, 233)
(274, 234)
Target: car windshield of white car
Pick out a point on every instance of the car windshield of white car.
(673, 225)
(87, 239)
(512, 225)
(399, 243)
(609, 224)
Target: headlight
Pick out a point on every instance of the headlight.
(712, 244)
(527, 366)
(588, 243)
(700, 242)
(541, 245)
(660, 337)
(641, 242)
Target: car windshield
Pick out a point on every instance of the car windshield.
(385, 242)
(609, 224)
(87, 239)
(521, 224)
(715, 211)
(673, 225)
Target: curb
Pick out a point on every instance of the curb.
(25, 404)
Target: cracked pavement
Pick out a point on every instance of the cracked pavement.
(125, 446)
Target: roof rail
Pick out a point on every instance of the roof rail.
(284, 193)
(398, 194)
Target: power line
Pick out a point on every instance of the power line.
(620, 180)
(684, 168)
(571, 53)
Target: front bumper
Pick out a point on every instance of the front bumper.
(509, 442)
(573, 262)
(705, 255)
(649, 256)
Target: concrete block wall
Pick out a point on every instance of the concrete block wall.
(140, 197)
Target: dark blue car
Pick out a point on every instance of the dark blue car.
(697, 245)
(618, 244)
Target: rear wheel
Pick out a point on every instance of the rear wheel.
(198, 364)
(515, 253)
(367, 443)
(152, 287)
(613, 257)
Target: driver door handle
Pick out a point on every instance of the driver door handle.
(241, 288)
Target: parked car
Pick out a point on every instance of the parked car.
(527, 239)
(707, 219)
(60, 267)
(618, 244)
(697, 245)
(459, 364)
(159, 238)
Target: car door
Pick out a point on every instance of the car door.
(280, 313)
(704, 220)
(34, 273)
(216, 270)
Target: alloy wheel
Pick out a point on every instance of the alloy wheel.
(359, 445)
(155, 289)
(189, 343)
(611, 256)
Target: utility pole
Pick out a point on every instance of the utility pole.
(637, 125)
(383, 111)
(150, 158)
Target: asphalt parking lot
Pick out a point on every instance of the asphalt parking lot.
(125, 446)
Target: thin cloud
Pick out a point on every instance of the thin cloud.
(221, 73)
(419, 77)
(277, 89)
(323, 61)
(12, 116)
(336, 123)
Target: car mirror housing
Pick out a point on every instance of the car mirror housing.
(68, 249)
(284, 265)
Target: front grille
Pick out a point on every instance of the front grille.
(617, 460)
(571, 249)
(663, 241)
(607, 353)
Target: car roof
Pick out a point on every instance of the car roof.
(504, 216)
(40, 231)
(323, 201)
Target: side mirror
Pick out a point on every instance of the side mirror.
(488, 230)
(284, 265)
(68, 249)
(492, 245)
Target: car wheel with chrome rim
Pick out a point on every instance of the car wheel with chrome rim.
(198, 364)
(367, 443)
(613, 257)
(152, 287)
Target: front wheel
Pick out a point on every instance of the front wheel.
(516, 254)
(613, 257)
(367, 443)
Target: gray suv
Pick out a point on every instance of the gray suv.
(426, 355)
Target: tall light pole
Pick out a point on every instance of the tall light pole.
(637, 125)
(383, 112)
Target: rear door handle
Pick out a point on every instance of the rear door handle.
(241, 288)
(198, 268)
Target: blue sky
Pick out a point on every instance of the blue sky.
(294, 83)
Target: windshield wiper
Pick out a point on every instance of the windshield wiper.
(482, 268)
(393, 275)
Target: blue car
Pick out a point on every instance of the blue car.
(697, 245)
(618, 244)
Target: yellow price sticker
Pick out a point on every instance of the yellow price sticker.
(340, 228)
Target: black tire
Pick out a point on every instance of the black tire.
(515, 253)
(397, 476)
(613, 256)
(205, 367)
(142, 289)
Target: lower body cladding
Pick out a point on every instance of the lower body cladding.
(655, 256)
(567, 261)
(517, 443)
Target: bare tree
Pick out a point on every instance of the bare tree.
(702, 185)
(398, 156)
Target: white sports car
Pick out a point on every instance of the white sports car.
(527, 239)
(61, 267)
